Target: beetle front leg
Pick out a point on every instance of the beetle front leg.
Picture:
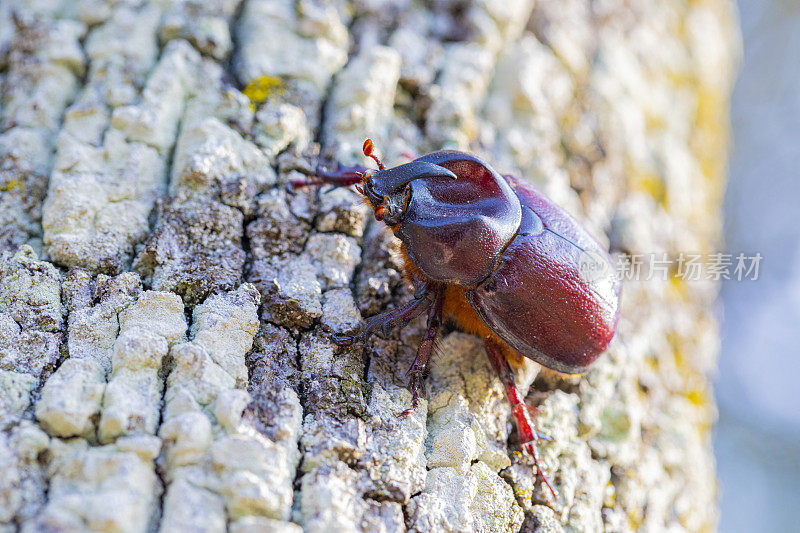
(528, 436)
(342, 176)
(421, 366)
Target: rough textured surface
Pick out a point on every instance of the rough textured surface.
(166, 304)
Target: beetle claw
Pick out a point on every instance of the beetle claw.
(291, 187)
(344, 340)
(414, 399)
(530, 447)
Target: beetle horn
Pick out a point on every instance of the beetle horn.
(385, 182)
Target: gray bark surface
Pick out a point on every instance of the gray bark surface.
(166, 305)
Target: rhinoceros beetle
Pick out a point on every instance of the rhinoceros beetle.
(493, 257)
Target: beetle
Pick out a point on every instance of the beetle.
(491, 256)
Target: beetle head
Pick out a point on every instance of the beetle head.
(387, 189)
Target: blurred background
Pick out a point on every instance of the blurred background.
(758, 386)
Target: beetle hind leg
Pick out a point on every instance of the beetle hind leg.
(528, 436)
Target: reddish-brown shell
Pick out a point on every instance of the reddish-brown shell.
(554, 296)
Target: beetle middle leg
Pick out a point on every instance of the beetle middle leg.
(398, 317)
(421, 366)
(528, 436)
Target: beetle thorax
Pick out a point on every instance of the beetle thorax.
(453, 213)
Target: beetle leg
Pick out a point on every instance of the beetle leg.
(391, 319)
(528, 436)
(343, 176)
(420, 367)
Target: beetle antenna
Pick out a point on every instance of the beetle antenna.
(368, 148)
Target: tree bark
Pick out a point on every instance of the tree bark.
(166, 305)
